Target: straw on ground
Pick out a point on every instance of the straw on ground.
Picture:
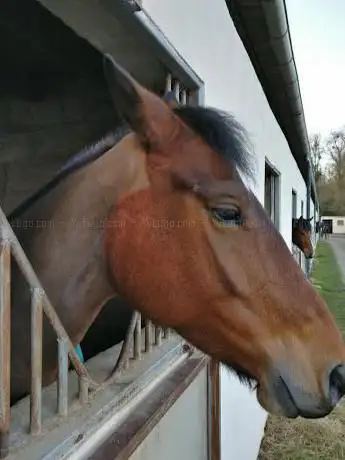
(322, 439)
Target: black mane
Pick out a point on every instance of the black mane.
(218, 129)
(223, 133)
(306, 225)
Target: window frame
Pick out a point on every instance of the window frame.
(274, 178)
(294, 201)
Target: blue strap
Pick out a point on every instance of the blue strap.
(80, 353)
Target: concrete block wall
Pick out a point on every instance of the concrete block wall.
(36, 137)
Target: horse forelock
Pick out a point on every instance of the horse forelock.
(223, 133)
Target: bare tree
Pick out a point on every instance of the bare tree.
(336, 151)
(317, 152)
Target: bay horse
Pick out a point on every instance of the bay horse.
(165, 220)
(301, 236)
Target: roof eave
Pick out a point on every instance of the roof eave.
(264, 30)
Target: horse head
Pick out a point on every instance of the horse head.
(197, 252)
(301, 236)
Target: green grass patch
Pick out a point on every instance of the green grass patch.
(328, 280)
(321, 439)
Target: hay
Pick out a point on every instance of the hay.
(300, 439)
(320, 439)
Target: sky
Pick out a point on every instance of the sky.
(317, 29)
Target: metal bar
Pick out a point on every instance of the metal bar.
(177, 90)
(123, 359)
(167, 333)
(5, 343)
(48, 309)
(168, 85)
(63, 377)
(148, 336)
(36, 361)
(137, 339)
(158, 335)
(83, 390)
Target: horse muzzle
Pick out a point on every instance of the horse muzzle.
(286, 397)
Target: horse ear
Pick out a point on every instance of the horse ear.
(311, 218)
(148, 116)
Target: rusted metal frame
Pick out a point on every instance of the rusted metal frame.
(52, 316)
(158, 336)
(181, 95)
(5, 342)
(168, 86)
(137, 339)
(122, 361)
(34, 282)
(166, 333)
(36, 361)
(214, 410)
(63, 377)
(148, 336)
(65, 346)
(177, 91)
(83, 390)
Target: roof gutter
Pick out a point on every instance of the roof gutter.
(278, 24)
(272, 56)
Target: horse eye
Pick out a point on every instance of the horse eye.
(226, 216)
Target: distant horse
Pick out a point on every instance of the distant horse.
(164, 219)
(326, 230)
(323, 229)
(301, 236)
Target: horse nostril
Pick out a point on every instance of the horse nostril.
(337, 383)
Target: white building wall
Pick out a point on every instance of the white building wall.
(182, 432)
(337, 227)
(204, 34)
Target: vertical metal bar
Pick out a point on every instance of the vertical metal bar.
(158, 335)
(177, 90)
(63, 377)
(167, 333)
(36, 361)
(83, 390)
(148, 336)
(137, 339)
(168, 85)
(5, 343)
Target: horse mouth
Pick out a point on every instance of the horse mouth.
(285, 399)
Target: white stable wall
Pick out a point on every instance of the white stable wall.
(337, 229)
(203, 33)
(182, 433)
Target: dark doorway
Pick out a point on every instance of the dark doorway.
(329, 222)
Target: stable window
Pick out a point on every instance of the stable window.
(294, 205)
(340, 223)
(272, 195)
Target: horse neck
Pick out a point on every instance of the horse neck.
(77, 206)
